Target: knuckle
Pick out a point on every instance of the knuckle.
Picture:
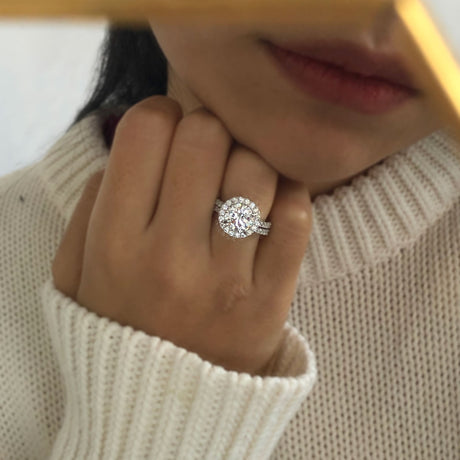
(298, 215)
(152, 114)
(166, 261)
(232, 291)
(295, 220)
(173, 286)
(124, 262)
(168, 279)
(203, 122)
(160, 103)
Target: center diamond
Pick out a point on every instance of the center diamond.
(239, 217)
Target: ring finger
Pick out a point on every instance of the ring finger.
(250, 176)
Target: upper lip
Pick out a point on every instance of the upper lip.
(354, 58)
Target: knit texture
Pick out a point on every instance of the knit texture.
(377, 299)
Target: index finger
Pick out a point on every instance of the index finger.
(132, 180)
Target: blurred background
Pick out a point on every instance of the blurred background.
(46, 70)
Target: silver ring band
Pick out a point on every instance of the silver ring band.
(239, 217)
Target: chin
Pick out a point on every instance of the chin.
(323, 162)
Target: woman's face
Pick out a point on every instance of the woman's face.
(226, 69)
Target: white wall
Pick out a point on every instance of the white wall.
(46, 68)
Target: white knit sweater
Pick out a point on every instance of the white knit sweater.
(378, 300)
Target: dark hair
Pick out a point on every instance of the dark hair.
(131, 66)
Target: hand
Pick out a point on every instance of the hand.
(144, 247)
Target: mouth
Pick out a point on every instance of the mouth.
(344, 75)
(355, 59)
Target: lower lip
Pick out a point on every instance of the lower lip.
(369, 95)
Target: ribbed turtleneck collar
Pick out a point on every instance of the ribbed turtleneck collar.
(360, 223)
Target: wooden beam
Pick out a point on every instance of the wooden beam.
(427, 55)
(278, 11)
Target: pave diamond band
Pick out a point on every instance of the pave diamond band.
(239, 217)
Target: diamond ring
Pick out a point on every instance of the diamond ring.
(239, 217)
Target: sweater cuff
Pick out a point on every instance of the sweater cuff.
(132, 395)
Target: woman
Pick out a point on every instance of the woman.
(137, 324)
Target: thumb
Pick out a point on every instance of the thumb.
(68, 261)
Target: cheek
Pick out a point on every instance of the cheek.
(179, 44)
(174, 47)
(193, 50)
